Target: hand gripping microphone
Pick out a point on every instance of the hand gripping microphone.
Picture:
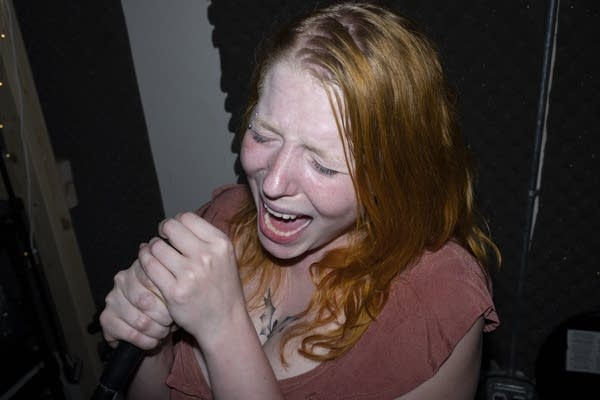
(117, 372)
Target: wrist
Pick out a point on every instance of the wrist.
(236, 327)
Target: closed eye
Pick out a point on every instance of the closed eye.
(258, 138)
(323, 170)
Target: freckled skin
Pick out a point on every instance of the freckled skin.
(296, 165)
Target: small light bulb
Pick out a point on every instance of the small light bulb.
(1, 126)
(2, 36)
(1, 83)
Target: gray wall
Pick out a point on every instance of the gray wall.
(178, 73)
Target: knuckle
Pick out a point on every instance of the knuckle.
(103, 318)
(190, 276)
(205, 258)
(119, 278)
(144, 301)
(223, 245)
(142, 323)
(180, 295)
(109, 298)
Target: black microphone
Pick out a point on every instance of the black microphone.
(117, 372)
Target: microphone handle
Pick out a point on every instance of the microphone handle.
(117, 372)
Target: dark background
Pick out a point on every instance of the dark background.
(492, 52)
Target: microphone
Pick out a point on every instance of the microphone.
(117, 372)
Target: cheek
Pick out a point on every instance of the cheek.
(337, 201)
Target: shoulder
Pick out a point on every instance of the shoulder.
(225, 202)
(450, 286)
(432, 306)
(228, 194)
(446, 269)
(450, 259)
(434, 303)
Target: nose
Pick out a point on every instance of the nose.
(282, 173)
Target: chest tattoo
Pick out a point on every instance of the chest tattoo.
(270, 325)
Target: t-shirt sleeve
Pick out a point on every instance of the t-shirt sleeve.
(451, 292)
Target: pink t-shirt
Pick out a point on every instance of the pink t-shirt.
(430, 308)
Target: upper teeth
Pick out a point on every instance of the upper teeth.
(280, 215)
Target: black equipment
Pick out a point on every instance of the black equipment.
(118, 371)
(31, 338)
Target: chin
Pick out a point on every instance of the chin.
(279, 251)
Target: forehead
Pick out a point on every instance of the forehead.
(293, 100)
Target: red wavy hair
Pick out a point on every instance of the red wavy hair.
(412, 173)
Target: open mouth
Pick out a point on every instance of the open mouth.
(282, 227)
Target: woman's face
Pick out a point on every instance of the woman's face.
(294, 161)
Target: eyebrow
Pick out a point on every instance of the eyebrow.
(256, 120)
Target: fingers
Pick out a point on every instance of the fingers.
(160, 272)
(133, 313)
(115, 329)
(180, 236)
(193, 237)
(200, 227)
(195, 272)
(140, 292)
(186, 229)
(144, 280)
